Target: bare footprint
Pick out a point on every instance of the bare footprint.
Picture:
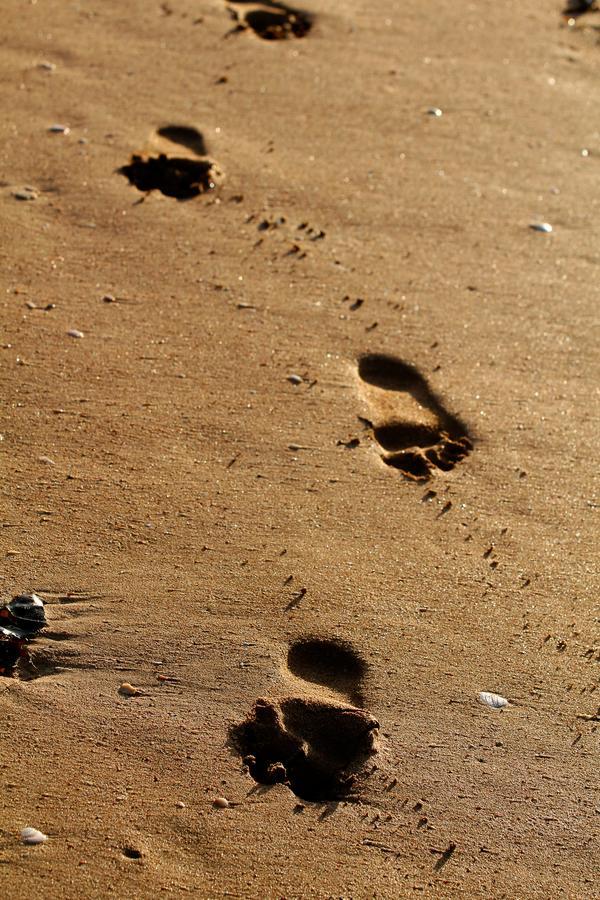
(415, 432)
(316, 748)
(174, 163)
(270, 20)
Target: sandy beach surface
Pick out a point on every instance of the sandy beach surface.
(308, 458)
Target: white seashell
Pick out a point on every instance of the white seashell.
(545, 227)
(435, 111)
(294, 379)
(47, 66)
(493, 700)
(221, 803)
(73, 332)
(46, 460)
(25, 193)
(59, 129)
(33, 836)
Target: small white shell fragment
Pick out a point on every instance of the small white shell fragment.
(74, 333)
(495, 701)
(46, 460)
(59, 129)
(294, 379)
(435, 111)
(47, 66)
(221, 803)
(33, 836)
(544, 227)
(585, 152)
(180, 804)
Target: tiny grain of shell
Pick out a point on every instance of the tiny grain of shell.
(59, 129)
(221, 803)
(75, 333)
(544, 227)
(33, 836)
(495, 701)
(435, 111)
(294, 379)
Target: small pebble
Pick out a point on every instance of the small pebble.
(33, 836)
(47, 66)
(544, 227)
(59, 129)
(434, 111)
(221, 803)
(46, 460)
(108, 298)
(294, 379)
(128, 690)
(74, 333)
(180, 804)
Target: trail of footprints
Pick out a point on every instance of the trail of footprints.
(313, 745)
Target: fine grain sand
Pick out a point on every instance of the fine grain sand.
(326, 462)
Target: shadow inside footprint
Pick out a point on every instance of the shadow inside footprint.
(316, 749)
(273, 21)
(411, 425)
(177, 177)
(332, 663)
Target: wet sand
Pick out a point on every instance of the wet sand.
(328, 457)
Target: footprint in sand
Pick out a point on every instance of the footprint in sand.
(415, 432)
(175, 162)
(270, 20)
(316, 745)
